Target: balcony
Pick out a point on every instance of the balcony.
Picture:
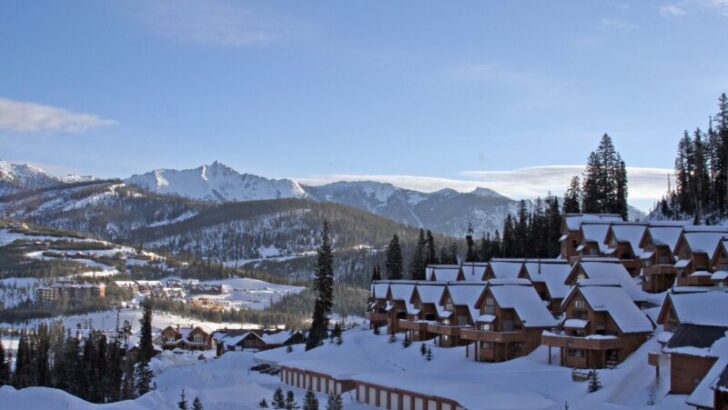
(591, 342)
(377, 317)
(493, 337)
(445, 330)
(660, 270)
(415, 325)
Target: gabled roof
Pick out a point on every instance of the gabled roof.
(704, 241)
(430, 293)
(597, 233)
(612, 270)
(573, 221)
(401, 291)
(709, 308)
(474, 271)
(703, 394)
(379, 289)
(629, 233)
(525, 301)
(665, 235)
(444, 274)
(506, 268)
(552, 272)
(614, 301)
(465, 294)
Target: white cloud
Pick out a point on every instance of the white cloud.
(617, 25)
(32, 117)
(485, 72)
(671, 10)
(217, 22)
(646, 185)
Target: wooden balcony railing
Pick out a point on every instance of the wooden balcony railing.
(577, 342)
(445, 330)
(415, 325)
(493, 337)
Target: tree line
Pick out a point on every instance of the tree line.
(701, 173)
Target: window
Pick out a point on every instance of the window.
(486, 345)
(462, 320)
(580, 276)
(198, 338)
(575, 352)
(579, 304)
(486, 326)
(648, 278)
(489, 305)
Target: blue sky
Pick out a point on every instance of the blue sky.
(423, 94)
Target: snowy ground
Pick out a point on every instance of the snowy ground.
(525, 383)
(16, 290)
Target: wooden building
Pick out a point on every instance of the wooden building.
(659, 244)
(623, 240)
(601, 327)
(608, 271)
(426, 300)
(377, 309)
(457, 311)
(187, 338)
(505, 268)
(383, 396)
(399, 303)
(511, 318)
(548, 277)
(570, 230)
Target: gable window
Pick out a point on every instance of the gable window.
(580, 276)
(486, 327)
(490, 305)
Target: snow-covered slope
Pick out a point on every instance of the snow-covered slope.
(17, 177)
(216, 182)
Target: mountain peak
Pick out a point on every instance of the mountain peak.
(485, 192)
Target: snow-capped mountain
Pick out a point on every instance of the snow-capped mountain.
(18, 177)
(216, 182)
(446, 211)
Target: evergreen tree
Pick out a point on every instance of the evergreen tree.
(146, 347)
(394, 259)
(334, 402)
(605, 181)
(23, 372)
(444, 256)
(430, 254)
(197, 404)
(278, 402)
(594, 382)
(417, 266)
(470, 255)
(4, 367)
(423, 349)
(290, 401)
(336, 335)
(182, 403)
(263, 404)
(324, 285)
(572, 198)
(428, 355)
(143, 378)
(453, 253)
(376, 273)
(310, 402)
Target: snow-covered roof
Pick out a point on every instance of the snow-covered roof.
(574, 221)
(474, 271)
(379, 290)
(401, 291)
(466, 294)
(704, 242)
(665, 235)
(506, 268)
(430, 293)
(612, 269)
(631, 233)
(595, 232)
(552, 272)
(277, 338)
(701, 308)
(444, 274)
(615, 301)
(719, 275)
(575, 323)
(525, 301)
(683, 263)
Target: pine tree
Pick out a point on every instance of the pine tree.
(605, 181)
(394, 259)
(423, 349)
(376, 273)
(22, 376)
(572, 198)
(324, 285)
(197, 404)
(453, 253)
(428, 355)
(310, 402)
(146, 347)
(334, 402)
(263, 404)
(336, 334)
(430, 254)
(278, 402)
(417, 266)
(594, 382)
(182, 403)
(4, 367)
(143, 378)
(470, 254)
(290, 401)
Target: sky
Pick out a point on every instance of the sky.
(508, 95)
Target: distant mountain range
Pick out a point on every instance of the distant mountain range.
(446, 211)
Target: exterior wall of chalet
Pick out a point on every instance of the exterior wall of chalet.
(385, 397)
(502, 339)
(570, 243)
(378, 314)
(587, 348)
(319, 382)
(397, 312)
(686, 371)
(720, 400)
(415, 326)
(447, 331)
